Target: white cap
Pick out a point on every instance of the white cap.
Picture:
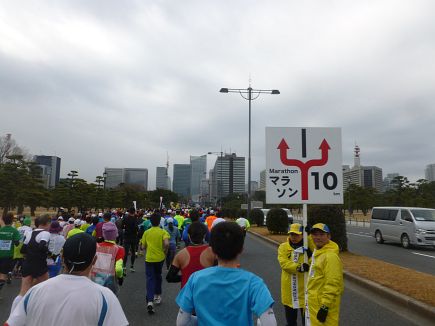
(169, 220)
(100, 214)
(169, 211)
(217, 221)
(71, 219)
(78, 222)
(60, 218)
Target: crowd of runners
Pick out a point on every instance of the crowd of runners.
(69, 256)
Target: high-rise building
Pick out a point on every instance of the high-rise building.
(429, 172)
(136, 176)
(198, 165)
(363, 176)
(162, 178)
(262, 185)
(182, 179)
(213, 186)
(229, 175)
(132, 176)
(387, 183)
(50, 168)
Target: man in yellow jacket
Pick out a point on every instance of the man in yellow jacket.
(325, 280)
(291, 260)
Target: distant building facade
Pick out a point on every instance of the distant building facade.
(262, 185)
(131, 176)
(229, 175)
(182, 179)
(429, 172)
(387, 183)
(163, 181)
(363, 176)
(198, 166)
(50, 169)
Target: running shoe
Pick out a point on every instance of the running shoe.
(157, 299)
(150, 308)
(8, 281)
(132, 269)
(124, 271)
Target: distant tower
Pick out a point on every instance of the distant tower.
(356, 158)
(167, 163)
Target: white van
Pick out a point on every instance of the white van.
(406, 225)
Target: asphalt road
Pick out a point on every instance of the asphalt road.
(361, 242)
(258, 257)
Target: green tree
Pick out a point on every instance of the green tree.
(333, 217)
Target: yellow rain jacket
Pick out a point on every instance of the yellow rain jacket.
(325, 284)
(292, 282)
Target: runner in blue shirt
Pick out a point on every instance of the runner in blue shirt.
(225, 294)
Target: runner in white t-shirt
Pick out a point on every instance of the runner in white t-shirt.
(67, 290)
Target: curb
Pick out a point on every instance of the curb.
(404, 301)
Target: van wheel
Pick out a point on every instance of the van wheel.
(378, 236)
(405, 241)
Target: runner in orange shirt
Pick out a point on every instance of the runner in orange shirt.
(210, 219)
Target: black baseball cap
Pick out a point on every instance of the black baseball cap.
(79, 251)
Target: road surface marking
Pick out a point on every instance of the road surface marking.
(417, 253)
(360, 235)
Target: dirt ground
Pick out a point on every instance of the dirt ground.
(417, 285)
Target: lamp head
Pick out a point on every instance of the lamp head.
(275, 92)
(224, 90)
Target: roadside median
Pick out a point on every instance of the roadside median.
(410, 289)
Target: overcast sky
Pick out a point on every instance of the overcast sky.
(121, 83)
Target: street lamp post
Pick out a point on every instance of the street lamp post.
(72, 174)
(249, 92)
(348, 190)
(220, 177)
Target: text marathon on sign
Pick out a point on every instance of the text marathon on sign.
(303, 165)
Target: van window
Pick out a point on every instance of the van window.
(384, 214)
(392, 214)
(377, 214)
(405, 215)
(424, 214)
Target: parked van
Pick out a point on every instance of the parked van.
(406, 225)
(289, 214)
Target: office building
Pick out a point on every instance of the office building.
(163, 181)
(387, 183)
(429, 172)
(262, 185)
(363, 176)
(198, 165)
(136, 176)
(182, 180)
(229, 175)
(50, 169)
(130, 176)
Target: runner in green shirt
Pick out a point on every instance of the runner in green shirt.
(9, 237)
(156, 243)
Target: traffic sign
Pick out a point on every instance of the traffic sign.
(303, 165)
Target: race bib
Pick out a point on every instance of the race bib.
(104, 261)
(5, 245)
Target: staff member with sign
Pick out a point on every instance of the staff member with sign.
(291, 260)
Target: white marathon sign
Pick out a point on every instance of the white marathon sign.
(303, 166)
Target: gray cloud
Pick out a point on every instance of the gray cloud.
(120, 84)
